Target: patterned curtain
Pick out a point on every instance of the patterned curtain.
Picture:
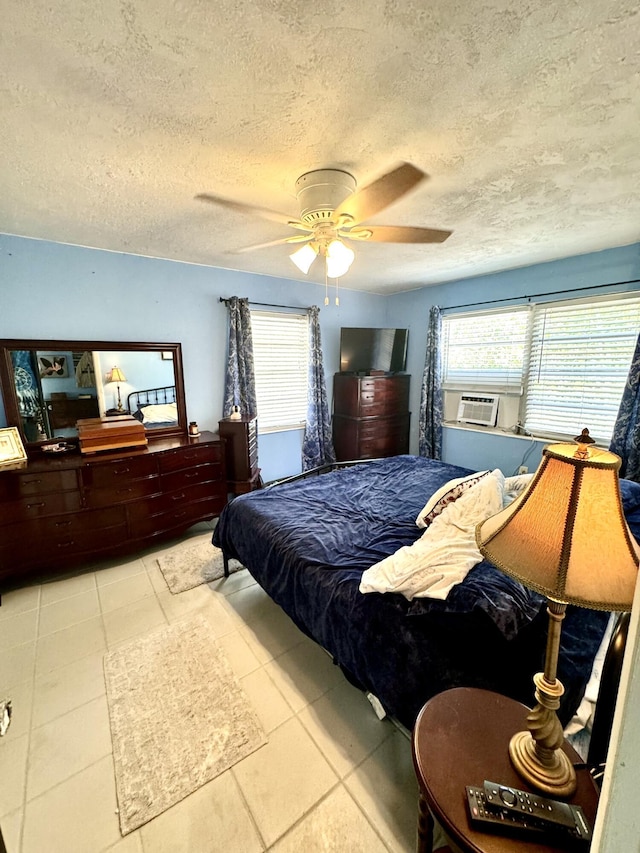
(239, 382)
(430, 425)
(317, 445)
(626, 432)
(24, 372)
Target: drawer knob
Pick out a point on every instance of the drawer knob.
(36, 506)
(118, 471)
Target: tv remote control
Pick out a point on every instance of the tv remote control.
(493, 820)
(514, 800)
(494, 816)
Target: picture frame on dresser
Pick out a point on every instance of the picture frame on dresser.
(11, 447)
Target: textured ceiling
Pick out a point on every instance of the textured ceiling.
(525, 115)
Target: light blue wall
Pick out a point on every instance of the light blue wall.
(569, 276)
(51, 290)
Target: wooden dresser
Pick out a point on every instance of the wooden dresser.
(370, 416)
(241, 453)
(63, 510)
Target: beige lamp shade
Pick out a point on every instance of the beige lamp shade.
(566, 535)
(117, 375)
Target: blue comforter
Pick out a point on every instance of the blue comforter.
(307, 544)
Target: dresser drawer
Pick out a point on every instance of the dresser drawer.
(37, 507)
(166, 511)
(370, 395)
(112, 474)
(61, 544)
(177, 460)
(374, 428)
(385, 445)
(127, 490)
(190, 476)
(15, 485)
(58, 527)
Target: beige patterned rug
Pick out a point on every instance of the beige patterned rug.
(179, 718)
(192, 563)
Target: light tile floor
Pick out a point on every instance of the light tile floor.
(331, 778)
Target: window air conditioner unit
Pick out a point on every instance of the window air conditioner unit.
(481, 409)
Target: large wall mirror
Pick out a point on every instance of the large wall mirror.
(47, 386)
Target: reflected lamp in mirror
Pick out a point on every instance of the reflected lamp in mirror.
(117, 376)
(565, 537)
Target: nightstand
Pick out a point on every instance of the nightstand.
(460, 738)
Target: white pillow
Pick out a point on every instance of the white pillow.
(160, 414)
(445, 495)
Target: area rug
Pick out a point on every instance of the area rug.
(193, 563)
(178, 715)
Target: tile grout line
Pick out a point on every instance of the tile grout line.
(254, 822)
(30, 726)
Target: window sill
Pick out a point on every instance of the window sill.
(502, 432)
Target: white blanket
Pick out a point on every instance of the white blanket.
(445, 552)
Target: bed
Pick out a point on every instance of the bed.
(308, 543)
(154, 407)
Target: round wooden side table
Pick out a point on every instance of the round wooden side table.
(461, 737)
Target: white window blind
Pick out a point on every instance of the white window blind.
(578, 364)
(485, 350)
(281, 357)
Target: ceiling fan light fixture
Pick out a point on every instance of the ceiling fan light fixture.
(339, 259)
(304, 257)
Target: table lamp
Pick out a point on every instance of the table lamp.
(565, 537)
(118, 376)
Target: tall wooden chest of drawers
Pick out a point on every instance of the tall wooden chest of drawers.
(56, 513)
(370, 416)
(241, 453)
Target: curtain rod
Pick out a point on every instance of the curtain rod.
(225, 299)
(548, 293)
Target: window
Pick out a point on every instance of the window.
(572, 359)
(486, 349)
(578, 365)
(281, 358)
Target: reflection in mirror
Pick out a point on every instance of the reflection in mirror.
(54, 387)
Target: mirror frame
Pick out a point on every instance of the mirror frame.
(10, 398)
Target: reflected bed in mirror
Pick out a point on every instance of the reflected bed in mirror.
(47, 386)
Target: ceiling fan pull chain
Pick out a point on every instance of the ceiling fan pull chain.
(326, 286)
(337, 297)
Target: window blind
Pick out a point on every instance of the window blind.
(281, 357)
(578, 364)
(485, 349)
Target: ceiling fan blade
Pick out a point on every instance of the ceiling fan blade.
(240, 207)
(301, 238)
(373, 198)
(397, 234)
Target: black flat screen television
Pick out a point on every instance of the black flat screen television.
(366, 350)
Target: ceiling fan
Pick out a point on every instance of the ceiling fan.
(331, 212)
